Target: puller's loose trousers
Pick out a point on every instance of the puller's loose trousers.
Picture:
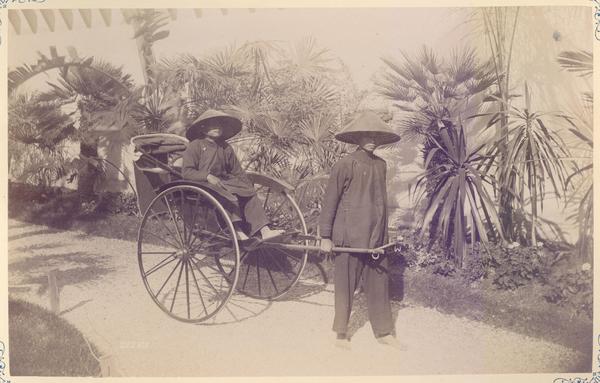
(349, 270)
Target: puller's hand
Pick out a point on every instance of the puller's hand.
(326, 245)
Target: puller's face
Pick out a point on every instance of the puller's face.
(368, 143)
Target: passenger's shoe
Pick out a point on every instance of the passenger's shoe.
(268, 233)
(241, 236)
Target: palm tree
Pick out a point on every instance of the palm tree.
(104, 96)
(91, 92)
(431, 93)
(147, 24)
(433, 96)
(254, 82)
(36, 130)
(580, 121)
(499, 27)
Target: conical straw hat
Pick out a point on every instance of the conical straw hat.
(230, 125)
(368, 123)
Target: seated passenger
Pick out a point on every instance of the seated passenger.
(209, 158)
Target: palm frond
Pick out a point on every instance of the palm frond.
(580, 62)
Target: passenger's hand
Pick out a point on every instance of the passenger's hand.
(326, 245)
(214, 180)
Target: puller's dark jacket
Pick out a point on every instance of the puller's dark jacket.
(354, 212)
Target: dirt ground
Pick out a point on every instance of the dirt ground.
(102, 294)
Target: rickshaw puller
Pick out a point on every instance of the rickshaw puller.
(354, 214)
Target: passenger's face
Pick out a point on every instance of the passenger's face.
(368, 143)
(214, 132)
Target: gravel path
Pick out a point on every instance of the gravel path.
(103, 295)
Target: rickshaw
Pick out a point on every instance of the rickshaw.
(190, 260)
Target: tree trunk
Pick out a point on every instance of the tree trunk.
(504, 196)
(88, 175)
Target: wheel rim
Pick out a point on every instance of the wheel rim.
(269, 272)
(184, 233)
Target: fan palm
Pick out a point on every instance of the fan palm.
(36, 130)
(431, 91)
(92, 92)
(305, 60)
(35, 122)
(289, 101)
(581, 126)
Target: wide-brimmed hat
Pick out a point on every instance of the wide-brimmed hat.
(368, 122)
(230, 125)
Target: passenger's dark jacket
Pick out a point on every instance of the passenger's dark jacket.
(203, 157)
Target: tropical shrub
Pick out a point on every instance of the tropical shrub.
(573, 289)
(536, 156)
(459, 197)
(516, 266)
(117, 203)
(416, 251)
(445, 268)
(477, 265)
(499, 26)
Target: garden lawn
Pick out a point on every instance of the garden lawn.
(523, 310)
(43, 344)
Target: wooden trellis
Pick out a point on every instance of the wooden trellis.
(90, 17)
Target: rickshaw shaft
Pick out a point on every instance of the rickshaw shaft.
(317, 248)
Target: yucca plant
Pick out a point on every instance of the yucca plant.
(459, 197)
(499, 25)
(536, 156)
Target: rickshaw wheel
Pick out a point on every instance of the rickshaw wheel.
(184, 233)
(267, 272)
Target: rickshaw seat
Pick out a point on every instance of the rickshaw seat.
(216, 191)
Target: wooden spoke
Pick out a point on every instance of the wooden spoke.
(205, 277)
(167, 280)
(162, 239)
(187, 287)
(174, 220)
(199, 291)
(177, 285)
(162, 222)
(205, 241)
(161, 264)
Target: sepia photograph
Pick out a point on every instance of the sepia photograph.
(224, 191)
